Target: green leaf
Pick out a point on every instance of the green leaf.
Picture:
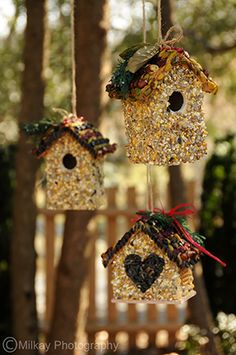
(129, 52)
(141, 57)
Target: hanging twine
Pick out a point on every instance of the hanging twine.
(61, 111)
(140, 57)
(144, 23)
(73, 84)
(145, 53)
(173, 35)
(149, 195)
(159, 20)
(149, 202)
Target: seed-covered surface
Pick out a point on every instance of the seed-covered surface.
(172, 285)
(156, 135)
(78, 188)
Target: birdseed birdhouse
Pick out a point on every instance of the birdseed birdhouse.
(74, 152)
(162, 90)
(153, 261)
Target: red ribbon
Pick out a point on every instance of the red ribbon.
(178, 210)
(185, 209)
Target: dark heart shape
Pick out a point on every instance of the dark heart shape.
(144, 273)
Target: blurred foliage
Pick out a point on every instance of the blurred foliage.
(7, 179)
(218, 222)
(226, 329)
(209, 25)
(192, 339)
(58, 63)
(134, 33)
(10, 72)
(209, 32)
(58, 69)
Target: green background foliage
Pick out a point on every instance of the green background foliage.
(7, 179)
(218, 222)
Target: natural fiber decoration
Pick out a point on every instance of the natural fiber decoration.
(153, 261)
(162, 103)
(74, 151)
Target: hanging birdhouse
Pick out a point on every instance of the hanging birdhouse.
(153, 261)
(162, 90)
(74, 152)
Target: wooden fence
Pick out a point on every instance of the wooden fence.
(104, 316)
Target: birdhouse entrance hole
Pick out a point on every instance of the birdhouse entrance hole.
(176, 101)
(69, 161)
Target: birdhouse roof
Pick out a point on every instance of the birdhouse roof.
(144, 66)
(165, 235)
(82, 131)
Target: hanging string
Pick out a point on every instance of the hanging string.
(173, 35)
(149, 202)
(73, 84)
(159, 24)
(144, 54)
(144, 23)
(149, 195)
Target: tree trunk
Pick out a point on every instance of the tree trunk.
(167, 15)
(23, 258)
(177, 188)
(90, 54)
(90, 45)
(200, 312)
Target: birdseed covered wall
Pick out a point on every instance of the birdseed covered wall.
(156, 133)
(77, 186)
(170, 284)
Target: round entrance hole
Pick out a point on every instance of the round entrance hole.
(176, 101)
(69, 161)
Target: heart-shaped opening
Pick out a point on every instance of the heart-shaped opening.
(143, 272)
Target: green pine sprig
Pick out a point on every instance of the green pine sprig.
(165, 221)
(198, 238)
(41, 127)
(121, 79)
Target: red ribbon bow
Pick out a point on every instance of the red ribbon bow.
(186, 209)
